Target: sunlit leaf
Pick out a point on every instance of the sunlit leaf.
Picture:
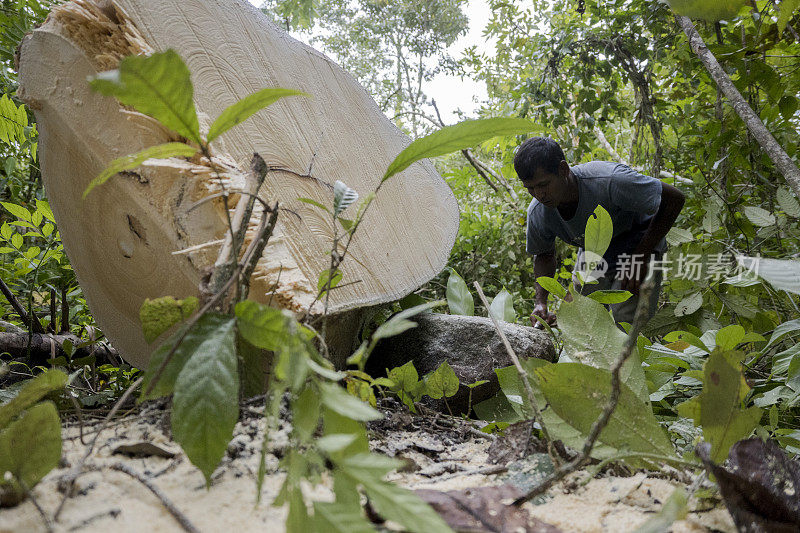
(786, 199)
(551, 286)
(599, 230)
(610, 297)
(786, 9)
(128, 162)
(783, 274)
(502, 307)
(343, 197)
(158, 85)
(31, 392)
(261, 325)
(442, 382)
(246, 107)
(689, 304)
(400, 323)
(337, 400)
(759, 217)
(460, 136)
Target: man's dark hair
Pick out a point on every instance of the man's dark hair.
(538, 152)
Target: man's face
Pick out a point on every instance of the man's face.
(550, 189)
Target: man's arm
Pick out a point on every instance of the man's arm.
(543, 265)
(672, 201)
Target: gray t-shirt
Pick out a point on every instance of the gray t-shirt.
(629, 197)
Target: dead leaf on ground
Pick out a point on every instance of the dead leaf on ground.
(761, 487)
(517, 442)
(484, 509)
(143, 449)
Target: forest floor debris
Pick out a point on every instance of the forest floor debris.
(440, 454)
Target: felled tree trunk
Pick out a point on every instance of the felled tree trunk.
(123, 237)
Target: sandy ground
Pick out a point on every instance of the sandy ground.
(443, 455)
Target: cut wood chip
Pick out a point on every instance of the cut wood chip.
(761, 487)
(484, 509)
(120, 239)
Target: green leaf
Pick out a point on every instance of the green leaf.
(262, 326)
(194, 342)
(314, 203)
(324, 276)
(723, 420)
(459, 299)
(787, 201)
(599, 230)
(592, 337)
(205, 406)
(245, 108)
(730, 336)
(305, 414)
(30, 447)
(335, 442)
(31, 392)
(297, 520)
(677, 236)
(578, 393)
(551, 286)
(18, 211)
(158, 85)
(711, 10)
(407, 383)
(689, 304)
(160, 314)
(463, 135)
(338, 518)
(128, 162)
(610, 297)
(442, 382)
(343, 197)
(675, 508)
(502, 307)
(787, 9)
(399, 322)
(338, 401)
(759, 217)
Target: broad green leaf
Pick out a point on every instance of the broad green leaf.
(610, 297)
(205, 406)
(245, 108)
(407, 383)
(578, 393)
(160, 314)
(502, 307)
(128, 162)
(324, 276)
(711, 10)
(676, 236)
(13, 121)
(335, 442)
(389, 500)
(442, 382)
(551, 286)
(783, 274)
(338, 518)
(599, 230)
(730, 336)
(305, 414)
(460, 136)
(787, 9)
(675, 508)
(459, 299)
(335, 424)
(343, 197)
(687, 337)
(723, 420)
(17, 210)
(29, 448)
(337, 400)
(30, 393)
(786, 199)
(297, 520)
(782, 361)
(780, 332)
(371, 465)
(689, 304)
(759, 217)
(262, 326)
(254, 367)
(793, 374)
(592, 337)
(400, 323)
(194, 342)
(158, 85)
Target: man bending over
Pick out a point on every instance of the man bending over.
(642, 209)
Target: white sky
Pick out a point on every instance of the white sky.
(451, 92)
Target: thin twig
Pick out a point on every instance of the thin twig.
(185, 523)
(31, 321)
(48, 524)
(616, 386)
(537, 414)
(484, 470)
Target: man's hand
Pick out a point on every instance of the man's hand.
(541, 311)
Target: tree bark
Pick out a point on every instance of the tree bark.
(785, 165)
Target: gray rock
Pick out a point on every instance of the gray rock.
(469, 344)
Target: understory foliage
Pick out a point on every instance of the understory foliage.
(613, 80)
